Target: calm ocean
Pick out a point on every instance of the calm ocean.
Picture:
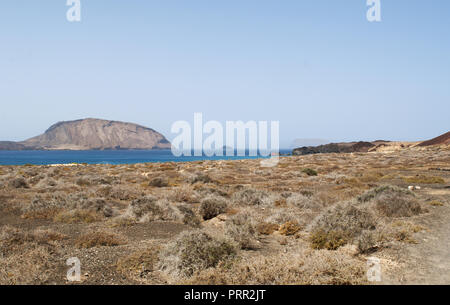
(102, 157)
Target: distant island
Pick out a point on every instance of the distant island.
(92, 134)
(361, 146)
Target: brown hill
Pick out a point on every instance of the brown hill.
(97, 135)
(334, 148)
(442, 139)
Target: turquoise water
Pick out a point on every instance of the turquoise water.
(36, 157)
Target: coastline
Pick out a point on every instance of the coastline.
(46, 157)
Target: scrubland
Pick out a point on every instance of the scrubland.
(309, 220)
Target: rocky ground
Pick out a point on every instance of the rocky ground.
(312, 219)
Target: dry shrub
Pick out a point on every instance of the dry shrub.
(403, 231)
(150, 208)
(289, 228)
(200, 177)
(367, 241)
(280, 203)
(212, 191)
(303, 202)
(138, 264)
(405, 236)
(266, 228)
(11, 239)
(242, 229)
(193, 251)
(26, 257)
(122, 221)
(115, 192)
(49, 213)
(422, 179)
(189, 217)
(251, 197)
(98, 205)
(299, 267)
(212, 206)
(331, 240)
(397, 205)
(309, 172)
(182, 193)
(281, 216)
(375, 192)
(45, 236)
(29, 266)
(340, 225)
(161, 181)
(99, 239)
(77, 216)
(83, 181)
(392, 201)
(435, 203)
(44, 208)
(18, 183)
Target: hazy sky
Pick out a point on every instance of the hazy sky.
(317, 66)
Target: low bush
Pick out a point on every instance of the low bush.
(422, 179)
(250, 197)
(189, 217)
(266, 228)
(303, 202)
(99, 239)
(150, 208)
(82, 181)
(340, 224)
(183, 193)
(77, 216)
(242, 229)
(18, 183)
(298, 267)
(138, 264)
(201, 177)
(392, 201)
(159, 182)
(44, 208)
(289, 228)
(366, 241)
(212, 206)
(192, 252)
(435, 203)
(375, 192)
(309, 172)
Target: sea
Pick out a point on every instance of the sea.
(38, 157)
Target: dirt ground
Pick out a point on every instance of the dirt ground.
(309, 220)
(428, 261)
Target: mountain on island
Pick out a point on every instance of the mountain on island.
(92, 134)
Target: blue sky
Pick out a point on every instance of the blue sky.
(317, 66)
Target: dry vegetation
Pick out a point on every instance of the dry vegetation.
(310, 220)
